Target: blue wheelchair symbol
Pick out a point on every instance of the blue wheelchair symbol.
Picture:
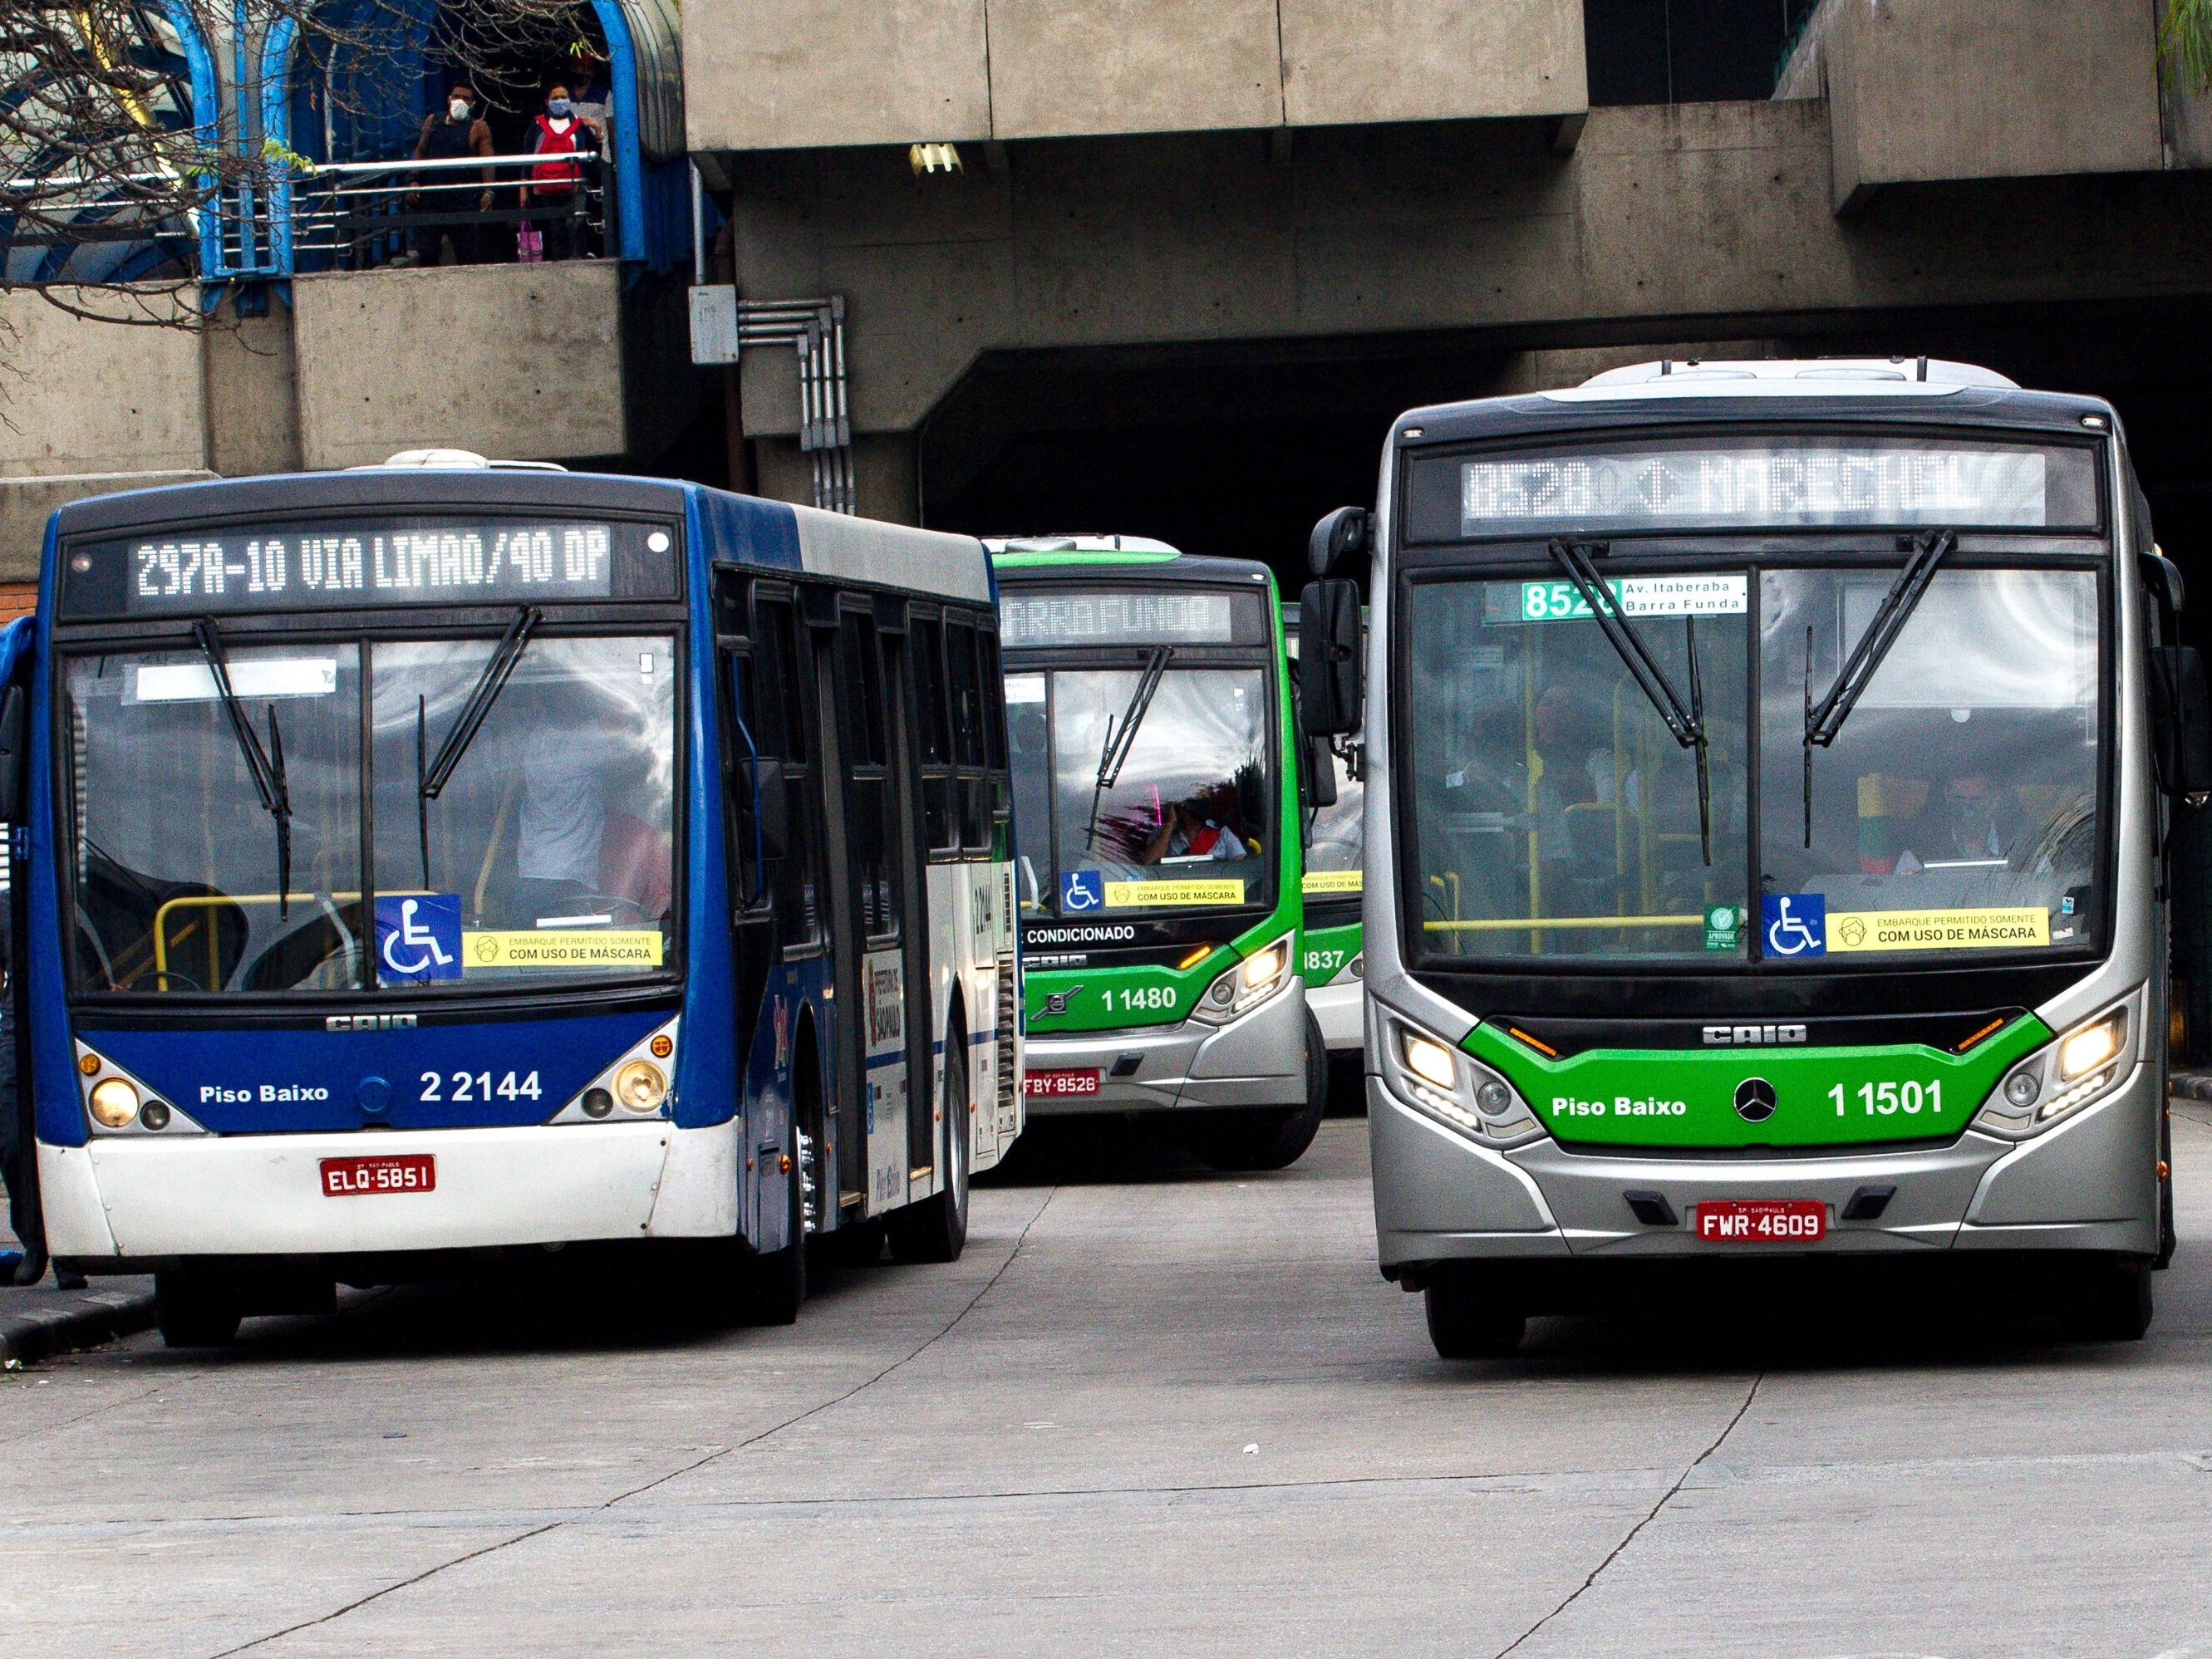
(1081, 890)
(1796, 923)
(418, 937)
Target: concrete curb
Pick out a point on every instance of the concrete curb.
(2189, 1085)
(36, 1323)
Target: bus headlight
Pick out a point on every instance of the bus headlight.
(1247, 985)
(2059, 1077)
(1446, 1083)
(641, 1086)
(114, 1103)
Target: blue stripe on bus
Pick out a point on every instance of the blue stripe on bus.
(877, 1062)
(976, 1040)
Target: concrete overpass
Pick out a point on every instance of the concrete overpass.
(1197, 251)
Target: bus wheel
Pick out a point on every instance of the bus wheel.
(2107, 1302)
(195, 1310)
(1467, 1322)
(1270, 1138)
(936, 1230)
(778, 1277)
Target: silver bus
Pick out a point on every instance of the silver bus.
(1771, 768)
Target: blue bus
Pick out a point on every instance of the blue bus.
(449, 857)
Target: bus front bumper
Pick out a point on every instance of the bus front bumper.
(125, 1200)
(2088, 1183)
(1257, 1060)
(1338, 1009)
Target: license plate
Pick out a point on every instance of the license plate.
(1061, 1083)
(1763, 1220)
(403, 1172)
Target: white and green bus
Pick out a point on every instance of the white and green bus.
(1769, 773)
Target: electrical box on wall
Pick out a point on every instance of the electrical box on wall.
(714, 323)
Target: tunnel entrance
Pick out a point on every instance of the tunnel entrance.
(1236, 450)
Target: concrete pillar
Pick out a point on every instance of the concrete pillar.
(883, 468)
(253, 385)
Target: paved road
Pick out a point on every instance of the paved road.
(1152, 1412)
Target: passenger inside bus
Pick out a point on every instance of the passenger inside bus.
(1203, 826)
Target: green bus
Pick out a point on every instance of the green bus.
(1772, 770)
(1156, 781)
(1335, 842)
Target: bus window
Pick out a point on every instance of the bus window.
(936, 742)
(994, 745)
(968, 735)
(179, 883)
(1028, 739)
(868, 821)
(782, 710)
(744, 748)
(559, 814)
(794, 881)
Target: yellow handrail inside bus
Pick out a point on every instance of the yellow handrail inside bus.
(212, 901)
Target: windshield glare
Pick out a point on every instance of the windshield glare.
(550, 851)
(1958, 806)
(1556, 814)
(1186, 821)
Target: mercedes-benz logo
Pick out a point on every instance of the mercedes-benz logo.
(1754, 1100)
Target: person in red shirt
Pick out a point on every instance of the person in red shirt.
(562, 136)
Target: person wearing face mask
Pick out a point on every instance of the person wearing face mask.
(447, 136)
(562, 134)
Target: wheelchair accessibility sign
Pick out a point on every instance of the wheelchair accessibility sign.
(418, 937)
(1796, 923)
(1081, 890)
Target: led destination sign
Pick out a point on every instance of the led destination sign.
(342, 566)
(1752, 484)
(1159, 615)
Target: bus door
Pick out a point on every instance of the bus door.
(777, 914)
(910, 846)
(877, 886)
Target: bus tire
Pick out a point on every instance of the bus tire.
(936, 1230)
(778, 1286)
(2107, 1302)
(1467, 1322)
(1273, 1138)
(196, 1310)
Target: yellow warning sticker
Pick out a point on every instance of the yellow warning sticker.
(1129, 895)
(1332, 881)
(561, 947)
(1935, 930)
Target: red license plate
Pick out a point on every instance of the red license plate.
(1763, 1220)
(1062, 1082)
(403, 1172)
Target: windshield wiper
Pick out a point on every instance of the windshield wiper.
(1687, 721)
(432, 776)
(1825, 721)
(1115, 754)
(266, 767)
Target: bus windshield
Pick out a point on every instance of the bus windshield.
(1135, 802)
(545, 857)
(1556, 815)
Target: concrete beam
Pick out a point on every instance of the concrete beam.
(519, 361)
(1430, 60)
(1689, 222)
(768, 75)
(26, 504)
(1926, 90)
(788, 74)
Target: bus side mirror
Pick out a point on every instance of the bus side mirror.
(2181, 723)
(771, 808)
(12, 726)
(1329, 685)
(2163, 578)
(1348, 533)
(1321, 773)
